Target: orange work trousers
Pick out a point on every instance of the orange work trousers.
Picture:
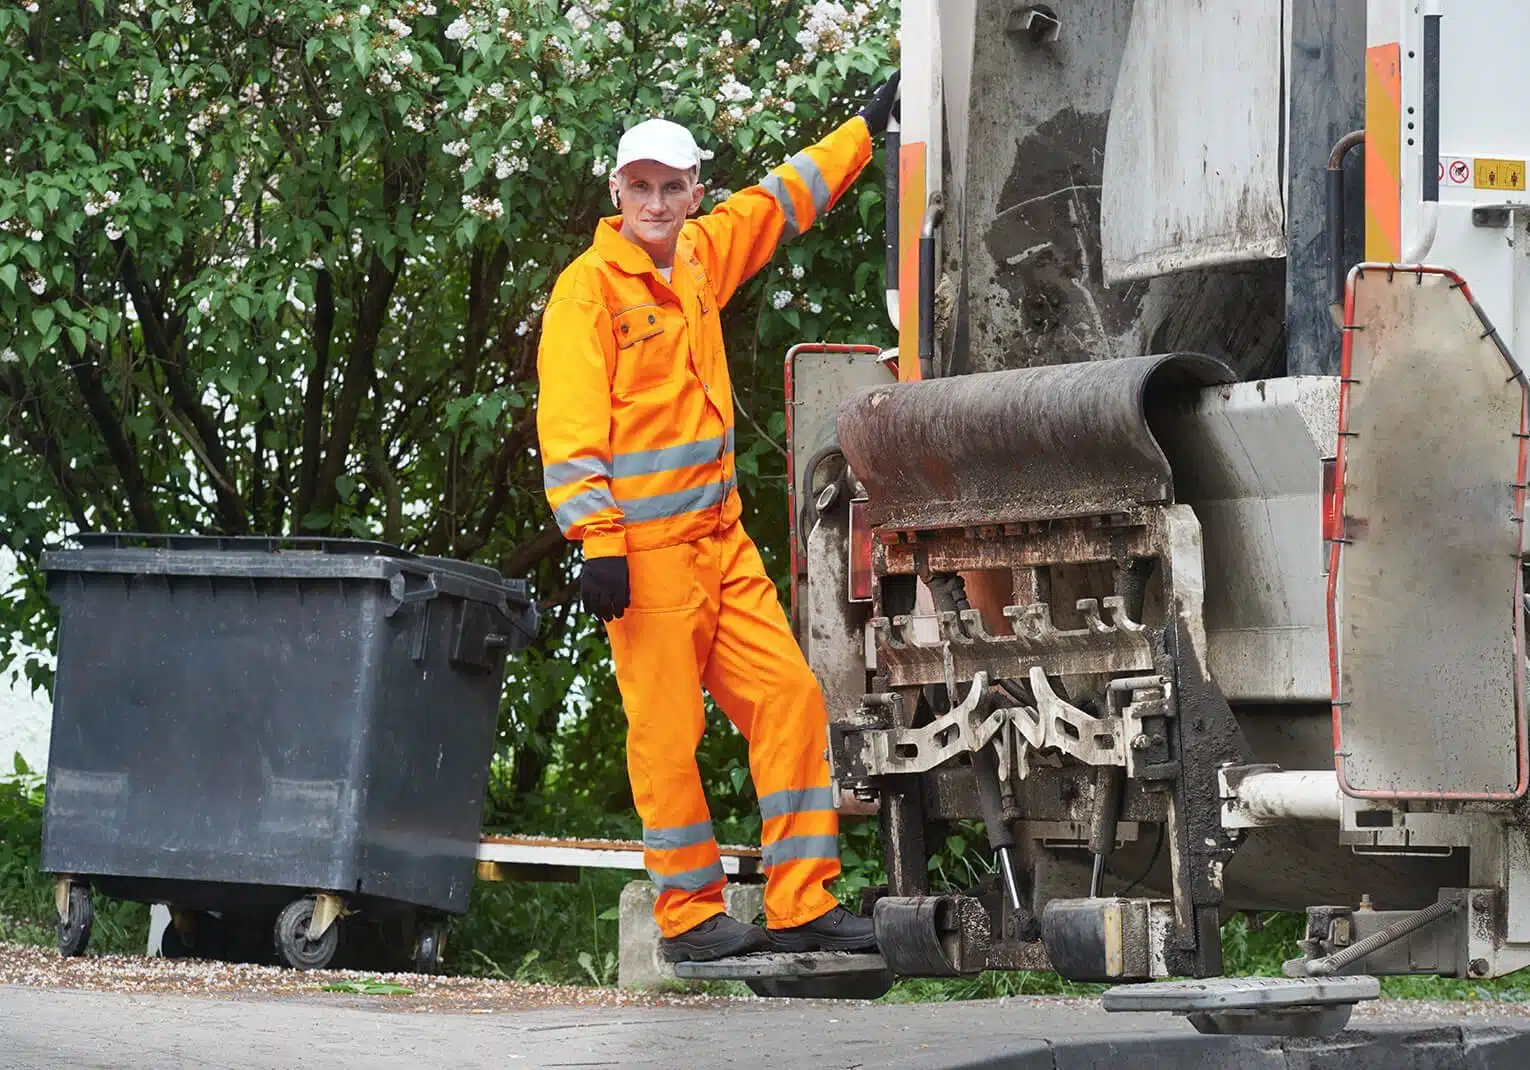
(705, 614)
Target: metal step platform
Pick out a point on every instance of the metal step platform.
(799, 974)
(1252, 1006)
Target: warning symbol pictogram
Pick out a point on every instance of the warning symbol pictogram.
(1460, 172)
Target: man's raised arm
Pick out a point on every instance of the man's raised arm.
(739, 236)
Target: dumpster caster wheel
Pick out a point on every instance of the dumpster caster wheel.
(428, 945)
(75, 923)
(292, 943)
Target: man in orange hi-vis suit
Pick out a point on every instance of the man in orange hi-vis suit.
(635, 420)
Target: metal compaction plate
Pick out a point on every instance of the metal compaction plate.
(1252, 1006)
(793, 965)
(1240, 993)
(799, 975)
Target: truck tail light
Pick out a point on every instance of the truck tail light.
(1332, 525)
(860, 552)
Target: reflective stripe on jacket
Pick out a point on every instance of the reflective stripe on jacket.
(635, 414)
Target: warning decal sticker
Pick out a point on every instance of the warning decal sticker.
(1499, 174)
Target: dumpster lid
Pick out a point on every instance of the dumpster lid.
(276, 557)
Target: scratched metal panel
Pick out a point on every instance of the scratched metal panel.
(1429, 643)
(1193, 167)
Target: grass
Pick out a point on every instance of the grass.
(567, 933)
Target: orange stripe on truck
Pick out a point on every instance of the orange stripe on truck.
(910, 218)
(1383, 153)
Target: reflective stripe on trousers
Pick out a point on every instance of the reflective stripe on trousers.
(705, 614)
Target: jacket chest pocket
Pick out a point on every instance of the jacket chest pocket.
(646, 337)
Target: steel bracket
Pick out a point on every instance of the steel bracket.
(327, 909)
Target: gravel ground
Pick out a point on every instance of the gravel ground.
(43, 968)
(137, 974)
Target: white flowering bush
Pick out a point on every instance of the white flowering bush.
(277, 265)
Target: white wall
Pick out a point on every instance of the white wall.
(25, 716)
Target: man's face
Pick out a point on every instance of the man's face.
(655, 200)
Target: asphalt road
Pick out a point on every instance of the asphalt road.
(52, 1027)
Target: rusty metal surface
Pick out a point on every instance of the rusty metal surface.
(1024, 445)
(965, 650)
(1022, 545)
(1426, 593)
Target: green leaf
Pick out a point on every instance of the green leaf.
(312, 48)
(241, 307)
(110, 45)
(51, 197)
(8, 276)
(42, 319)
(19, 764)
(373, 987)
(77, 336)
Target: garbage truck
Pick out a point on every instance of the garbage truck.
(1180, 539)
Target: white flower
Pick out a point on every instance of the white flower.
(789, 107)
(578, 18)
(334, 109)
(614, 31)
(814, 307)
(405, 58)
(600, 166)
(797, 271)
(564, 146)
(754, 44)
(679, 40)
(780, 299)
(502, 13)
(515, 37)
(725, 38)
(92, 207)
(35, 235)
(38, 285)
(399, 27)
(735, 111)
(455, 148)
(415, 122)
(428, 10)
(204, 306)
(385, 76)
(470, 113)
(188, 14)
(522, 328)
(458, 30)
(733, 89)
(721, 194)
(497, 90)
(9, 356)
(31, 7)
(364, 10)
(537, 121)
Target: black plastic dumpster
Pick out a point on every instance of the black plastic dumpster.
(265, 734)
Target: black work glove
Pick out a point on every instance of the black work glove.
(882, 105)
(604, 587)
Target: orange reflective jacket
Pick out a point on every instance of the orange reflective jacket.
(635, 415)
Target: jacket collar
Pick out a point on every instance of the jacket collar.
(617, 251)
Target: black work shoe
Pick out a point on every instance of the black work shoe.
(719, 937)
(838, 930)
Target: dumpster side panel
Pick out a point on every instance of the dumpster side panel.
(206, 728)
(430, 749)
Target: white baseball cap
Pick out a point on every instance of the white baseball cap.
(661, 140)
